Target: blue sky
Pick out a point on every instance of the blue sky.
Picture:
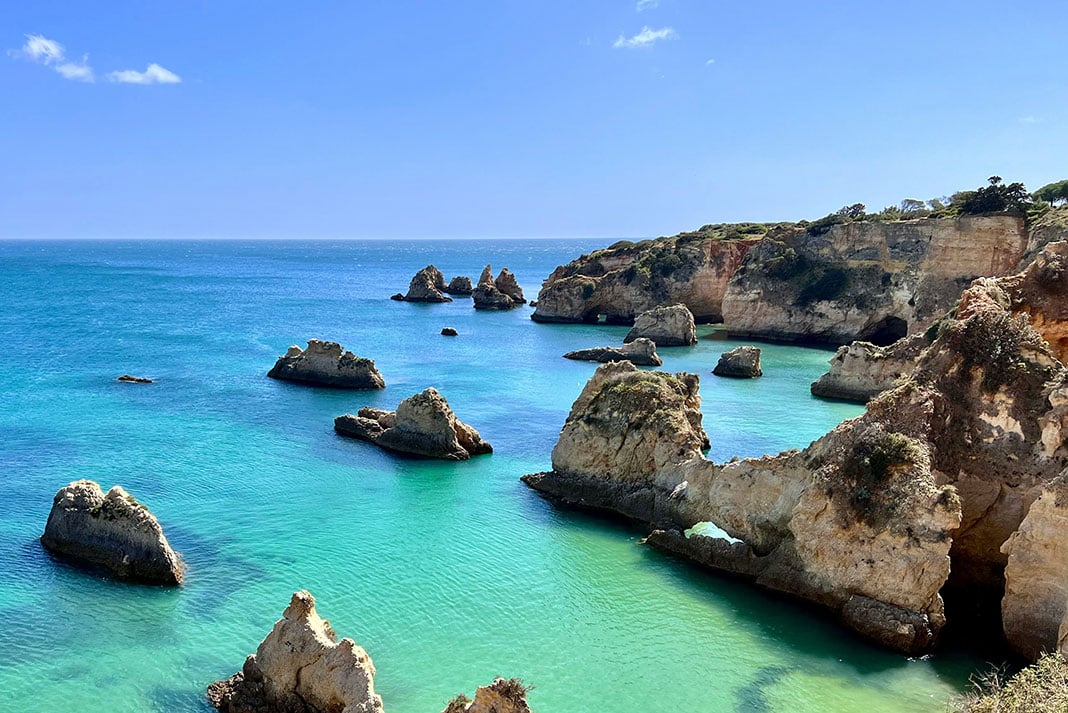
(509, 118)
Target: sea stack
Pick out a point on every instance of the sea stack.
(111, 531)
(666, 326)
(641, 351)
(423, 425)
(301, 667)
(740, 363)
(500, 294)
(327, 364)
(460, 286)
(504, 695)
(427, 285)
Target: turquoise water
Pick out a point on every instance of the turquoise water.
(447, 573)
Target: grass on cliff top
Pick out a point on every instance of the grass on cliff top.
(1041, 688)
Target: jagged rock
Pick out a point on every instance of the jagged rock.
(861, 371)
(627, 279)
(867, 281)
(500, 294)
(667, 326)
(301, 667)
(427, 285)
(943, 467)
(422, 425)
(641, 351)
(740, 362)
(1050, 228)
(112, 531)
(127, 378)
(460, 286)
(501, 696)
(449, 332)
(326, 364)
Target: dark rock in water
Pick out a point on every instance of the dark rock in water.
(641, 351)
(501, 294)
(448, 332)
(460, 286)
(399, 297)
(112, 531)
(667, 326)
(426, 286)
(422, 425)
(740, 363)
(128, 379)
(327, 364)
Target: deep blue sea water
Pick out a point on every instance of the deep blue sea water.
(447, 573)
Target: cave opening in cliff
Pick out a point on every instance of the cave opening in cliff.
(886, 331)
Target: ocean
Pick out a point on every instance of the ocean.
(447, 573)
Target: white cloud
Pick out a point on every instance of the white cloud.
(646, 5)
(646, 38)
(50, 53)
(1030, 120)
(155, 74)
(710, 62)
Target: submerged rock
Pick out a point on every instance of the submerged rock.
(448, 332)
(460, 286)
(741, 363)
(427, 285)
(422, 425)
(301, 667)
(641, 351)
(667, 326)
(501, 696)
(112, 531)
(861, 371)
(500, 294)
(129, 379)
(327, 364)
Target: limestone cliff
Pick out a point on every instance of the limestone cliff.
(112, 531)
(865, 280)
(627, 279)
(423, 425)
(327, 364)
(861, 371)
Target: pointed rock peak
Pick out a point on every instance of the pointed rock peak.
(486, 278)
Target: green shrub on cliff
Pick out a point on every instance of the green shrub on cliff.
(1041, 688)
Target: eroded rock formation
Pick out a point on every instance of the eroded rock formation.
(500, 294)
(944, 467)
(666, 326)
(301, 667)
(626, 279)
(861, 371)
(422, 425)
(427, 285)
(740, 363)
(130, 379)
(460, 286)
(112, 531)
(866, 281)
(501, 696)
(641, 351)
(327, 364)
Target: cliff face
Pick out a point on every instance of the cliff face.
(866, 281)
(625, 280)
(944, 467)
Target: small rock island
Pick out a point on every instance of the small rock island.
(423, 425)
(111, 531)
(327, 364)
(740, 363)
(641, 351)
(427, 285)
(666, 326)
(500, 294)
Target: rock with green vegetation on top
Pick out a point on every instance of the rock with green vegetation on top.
(1039, 688)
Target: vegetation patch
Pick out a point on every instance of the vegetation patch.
(1041, 688)
(875, 481)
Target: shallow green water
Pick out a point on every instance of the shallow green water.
(448, 574)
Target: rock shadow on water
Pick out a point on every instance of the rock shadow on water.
(752, 697)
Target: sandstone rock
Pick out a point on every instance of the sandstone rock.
(422, 425)
(740, 362)
(500, 294)
(326, 364)
(112, 531)
(667, 326)
(501, 696)
(627, 279)
(866, 281)
(460, 286)
(301, 667)
(427, 285)
(861, 370)
(1050, 228)
(127, 378)
(448, 332)
(641, 351)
